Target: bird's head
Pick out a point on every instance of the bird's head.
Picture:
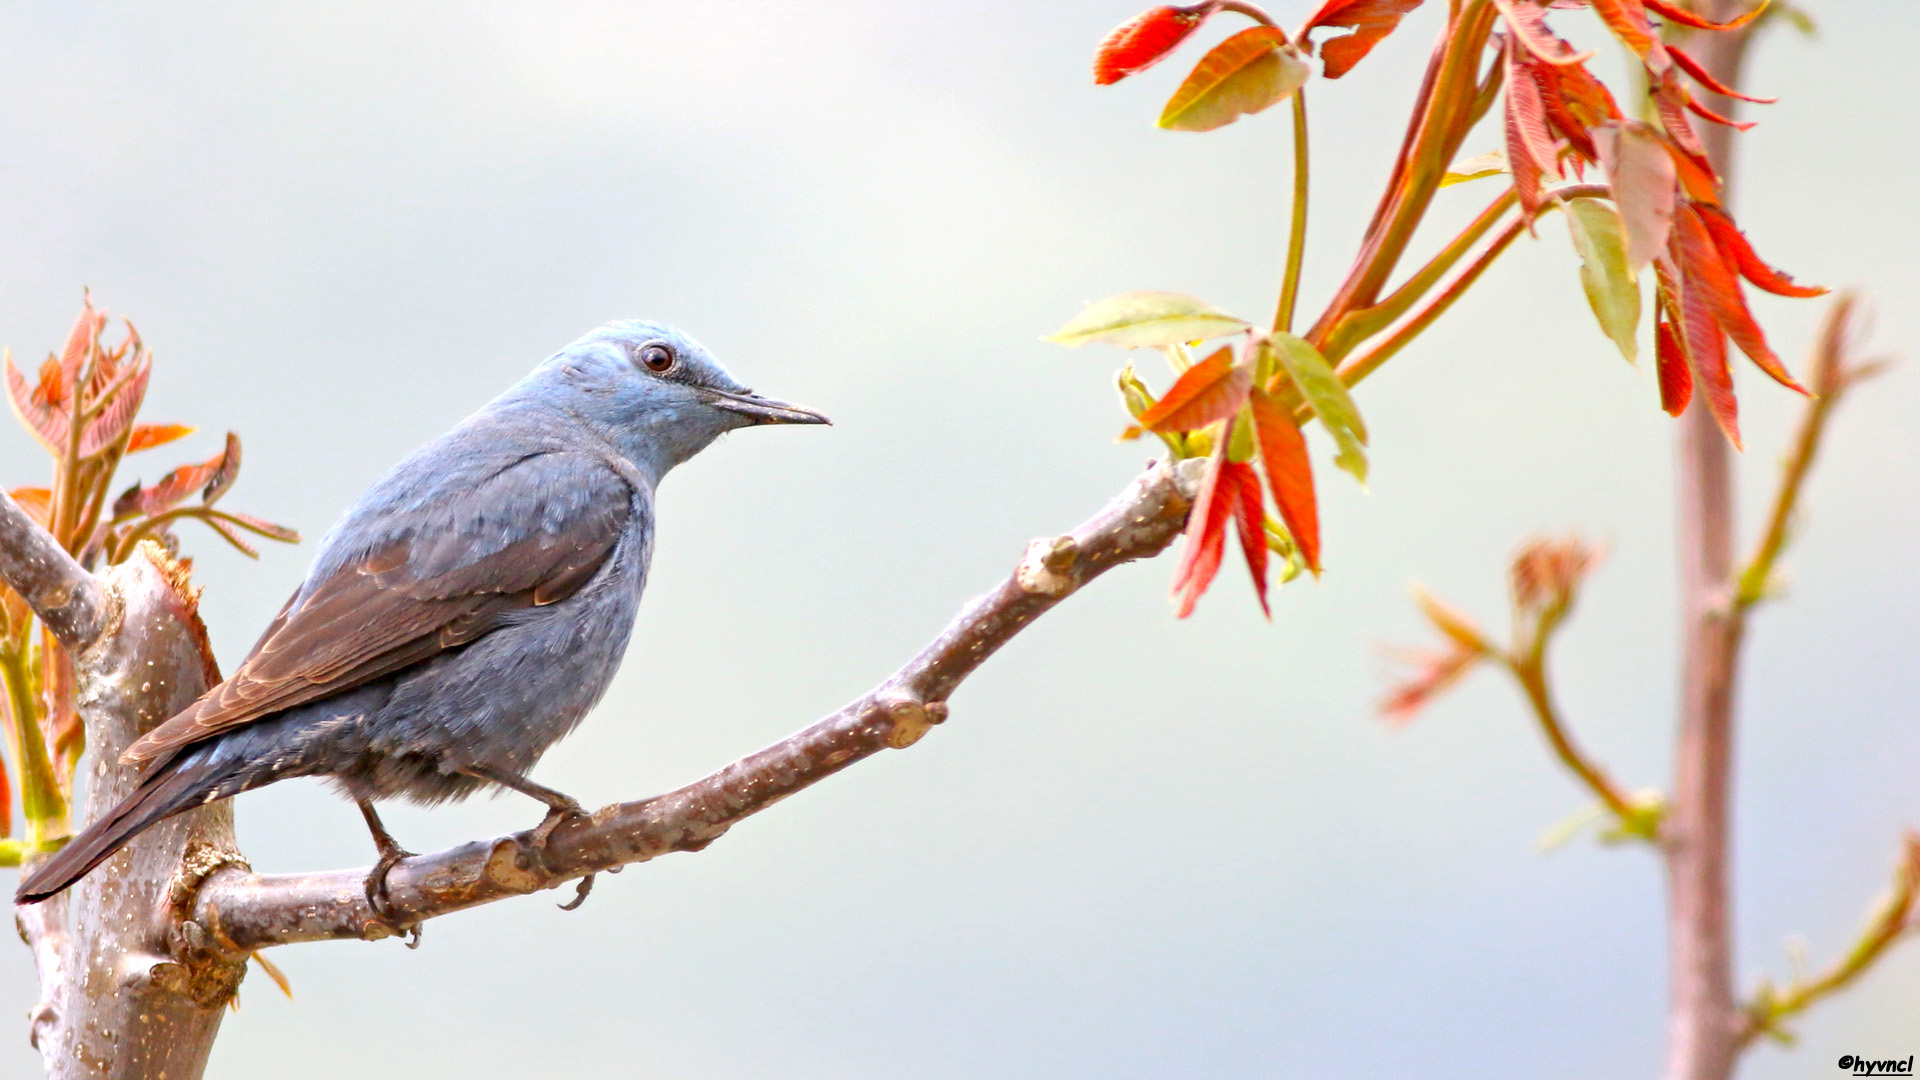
(657, 394)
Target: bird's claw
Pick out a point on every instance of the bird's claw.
(556, 816)
(381, 901)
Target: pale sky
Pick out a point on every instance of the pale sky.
(1141, 847)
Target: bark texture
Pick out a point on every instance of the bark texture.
(129, 990)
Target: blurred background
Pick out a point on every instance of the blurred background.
(1142, 847)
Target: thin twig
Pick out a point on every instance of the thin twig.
(1829, 376)
(245, 911)
(1531, 674)
(1891, 920)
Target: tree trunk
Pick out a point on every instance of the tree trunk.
(129, 991)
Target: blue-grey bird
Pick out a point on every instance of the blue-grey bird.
(467, 611)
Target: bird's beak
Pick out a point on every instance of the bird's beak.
(765, 410)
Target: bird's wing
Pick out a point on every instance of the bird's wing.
(533, 535)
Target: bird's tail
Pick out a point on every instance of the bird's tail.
(171, 787)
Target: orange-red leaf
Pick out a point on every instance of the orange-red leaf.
(86, 331)
(1529, 26)
(1707, 274)
(264, 527)
(112, 422)
(1370, 21)
(1530, 147)
(1705, 78)
(1142, 42)
(1249, 72)
(1575, 103)
(37, 502)
(148, 436)
(1734, 247)
(224, 476)
(1207, 392)
(1704, 113)
(1705, 345)
(173, 487)
(1283, 451)
(1670, 360)
(1249, 510)
(1206, 536)
(40, 407)
(1627, 19)
(1676, 13)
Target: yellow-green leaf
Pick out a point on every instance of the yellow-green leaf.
(1491, 163)
(1145, 320)
(1254, 69)
(1600, 236)
(1326, 395)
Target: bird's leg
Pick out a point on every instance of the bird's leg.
(376, 885)
(560, 807)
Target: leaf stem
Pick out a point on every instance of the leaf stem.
(1530, 671)
(1359, 367)
(1297, 237)
(1829, 377)
(1891, 920)
(1359, 325)
(40, 798)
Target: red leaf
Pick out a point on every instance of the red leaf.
(1370, 21)
(1675, 13)
(1707, 274)
(1704, 113)
(1705, 78)
(177, 485)
(1529, 27)
(1705, 345)
(1206, 536)
(1670, 360)
(86, 331)
(1575, 102)
(1207, 392)
(223, 477)
(1530, 148)
(1283, 450)
(1249, 510)
(1670, 101)
(1142, 42)
(148, 436)
(39, 406)
(114, 420)
(1734, 247)
(1627, 19)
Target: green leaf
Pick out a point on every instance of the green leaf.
(1612, 289)
(1327, 396)
(1254, 69)
(1145, 320)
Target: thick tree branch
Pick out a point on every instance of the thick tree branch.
(1703, 1019)
(244, 911)
(58, 589)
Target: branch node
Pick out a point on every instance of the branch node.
(1047, 567)
(908, 720)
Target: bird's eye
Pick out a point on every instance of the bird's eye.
(657, 357)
